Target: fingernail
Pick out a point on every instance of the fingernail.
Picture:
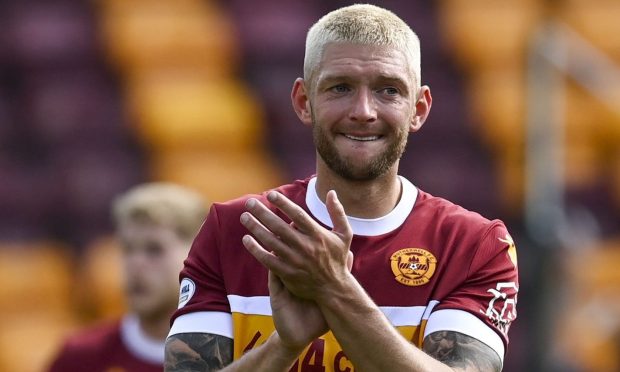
(272, 196)
(335, 195)
(245, 239)
(250, 203)
(244, 218)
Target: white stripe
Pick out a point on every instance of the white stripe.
(467, 323)
(139, 344)
(397, 315)
(362, 226)
(257, 305)
(215, 322)
(407, 316)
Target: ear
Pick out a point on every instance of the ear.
(422, 108)
(301, 101)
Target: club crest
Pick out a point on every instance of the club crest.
(413, 266)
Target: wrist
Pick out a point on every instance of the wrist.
(282, 349)
(337, 292)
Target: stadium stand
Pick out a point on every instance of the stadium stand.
(588, 330)
(98, 96)
(189, 105)
(36, 309)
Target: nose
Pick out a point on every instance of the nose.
(363, 107)
(134, 262)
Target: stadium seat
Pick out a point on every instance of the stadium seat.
(498, 103)
(485, 33)
(91, 177)
(181, 109)
(154, 34)
(597, 21)
(588, 323)
(47, 34)
(52, 118)
(218, 175)
(272, 31)
(29, 342)
(35, 277)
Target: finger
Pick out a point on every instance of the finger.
(267, 238)
(338, 215)
(267, 259)
(301, 220)
(288, 233)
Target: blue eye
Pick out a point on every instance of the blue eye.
(340, 88)
(390, 91)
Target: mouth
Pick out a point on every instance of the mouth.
(136, 289)
(362, 138)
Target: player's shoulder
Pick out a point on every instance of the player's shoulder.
(95, 338)
(295, 191)
(86, 348)
(452, 215)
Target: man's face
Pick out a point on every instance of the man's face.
(152, 259)
(362, 105)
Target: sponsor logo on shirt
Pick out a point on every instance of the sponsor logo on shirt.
(187, 290)
(413, 266)
(502, 309)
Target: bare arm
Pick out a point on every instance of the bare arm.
(204, 352)
(197, 352)
(377, 345)
(462, 352)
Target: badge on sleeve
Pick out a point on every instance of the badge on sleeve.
(187, 290)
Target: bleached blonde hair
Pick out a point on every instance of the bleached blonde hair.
(162, 204)
(361, 24)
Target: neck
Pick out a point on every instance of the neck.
(362, 199)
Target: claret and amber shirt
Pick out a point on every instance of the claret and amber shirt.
(118, 346)
(429, 265)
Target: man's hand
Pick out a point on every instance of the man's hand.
(297, 321)
(307, 258)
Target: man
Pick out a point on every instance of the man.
(156, 224)
(354, 268)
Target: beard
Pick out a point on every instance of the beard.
(349, 170)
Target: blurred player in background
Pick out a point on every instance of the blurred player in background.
(155, 224)
(270, 283)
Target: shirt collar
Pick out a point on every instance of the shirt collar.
(363, 226)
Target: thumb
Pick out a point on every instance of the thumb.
(337, 214)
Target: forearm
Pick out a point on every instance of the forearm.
(202, 352)
(367, 337)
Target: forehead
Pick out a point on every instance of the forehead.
(136, 233)
(364, 61)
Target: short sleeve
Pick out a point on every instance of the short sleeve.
(201, 282)
(484, 305)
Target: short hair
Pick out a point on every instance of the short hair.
(163, 204)
(361, 24)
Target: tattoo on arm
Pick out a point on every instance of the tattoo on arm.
(202, 352)
(462, 352)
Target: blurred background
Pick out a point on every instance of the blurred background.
(97, 96)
